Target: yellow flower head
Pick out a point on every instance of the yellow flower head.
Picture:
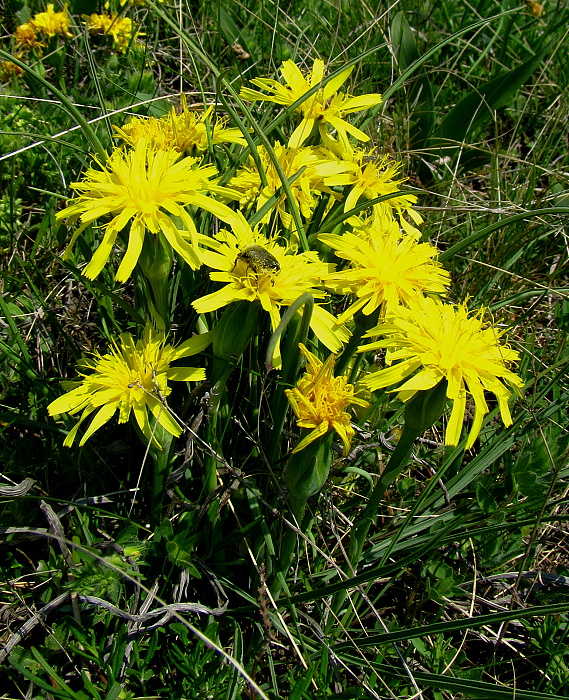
(257, 269)
(26, 37)
(186, 132)
(319, 401)
(431, 341)
(122, 29)
(325, 107)
(52, 23)
(371, 176)
(534, 8)
(387, 269)
(317, 171)
(132, 377)
(8, 71)
(146, 188)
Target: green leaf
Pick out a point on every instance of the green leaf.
(477, 109)
(420, 100)
(485, 499)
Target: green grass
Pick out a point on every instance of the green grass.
(461, 588)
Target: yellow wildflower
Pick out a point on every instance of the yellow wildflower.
(132, 377)
(319, 400)
(431, 341)
(269, 274)
(8, 71)
(535, 8)
(386, 269)
(122, 29)
(370, 176)
(186, 132)
(52, 23)
(315, 172)
(145, 188)
(26, 38)
(325, 107)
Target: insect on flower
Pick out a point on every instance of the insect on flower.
(258, 259)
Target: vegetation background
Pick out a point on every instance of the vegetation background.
(462, 591)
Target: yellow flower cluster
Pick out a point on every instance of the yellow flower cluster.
(32, 34)
(274, 281)
(312, 173)
(149, 193)
(29, 36)
(144, 189)
(9, 70)
(324, 107)
(121, 29)
(191, 131)
(52, 23)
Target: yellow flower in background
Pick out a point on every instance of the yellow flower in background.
(8, 71)
(258, 269)
(139, 3)
(431, 341)
(534, 8)
(387, 269)
(325, 107)
(26, 37)
(52, 23)
(319, 401)
(186, 132)
(132, 378)
(122, 29)
(144, 188)
(316, 172)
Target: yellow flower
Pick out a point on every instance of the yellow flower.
(319, 401)
(317, 172)
(371, 176)
(122, 29)
(139, 3)
(258, 269)
(386, 269)
(186, 132)
(132, 377)
(534, 8)
(325, 107)
(146, 188)
(26, 38)
(431, 341)
(8, 71)
(51, 23)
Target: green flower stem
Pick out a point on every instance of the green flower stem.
(161, 460)
(362, 324)
(233, 333)
(218, 410)
(421, 412)
(298, 333)
(394, 467)
(305, 474)
(155, 262)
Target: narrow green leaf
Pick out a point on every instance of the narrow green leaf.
(455, 625)
(420, 99)
(462, 686)
(476, 109)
